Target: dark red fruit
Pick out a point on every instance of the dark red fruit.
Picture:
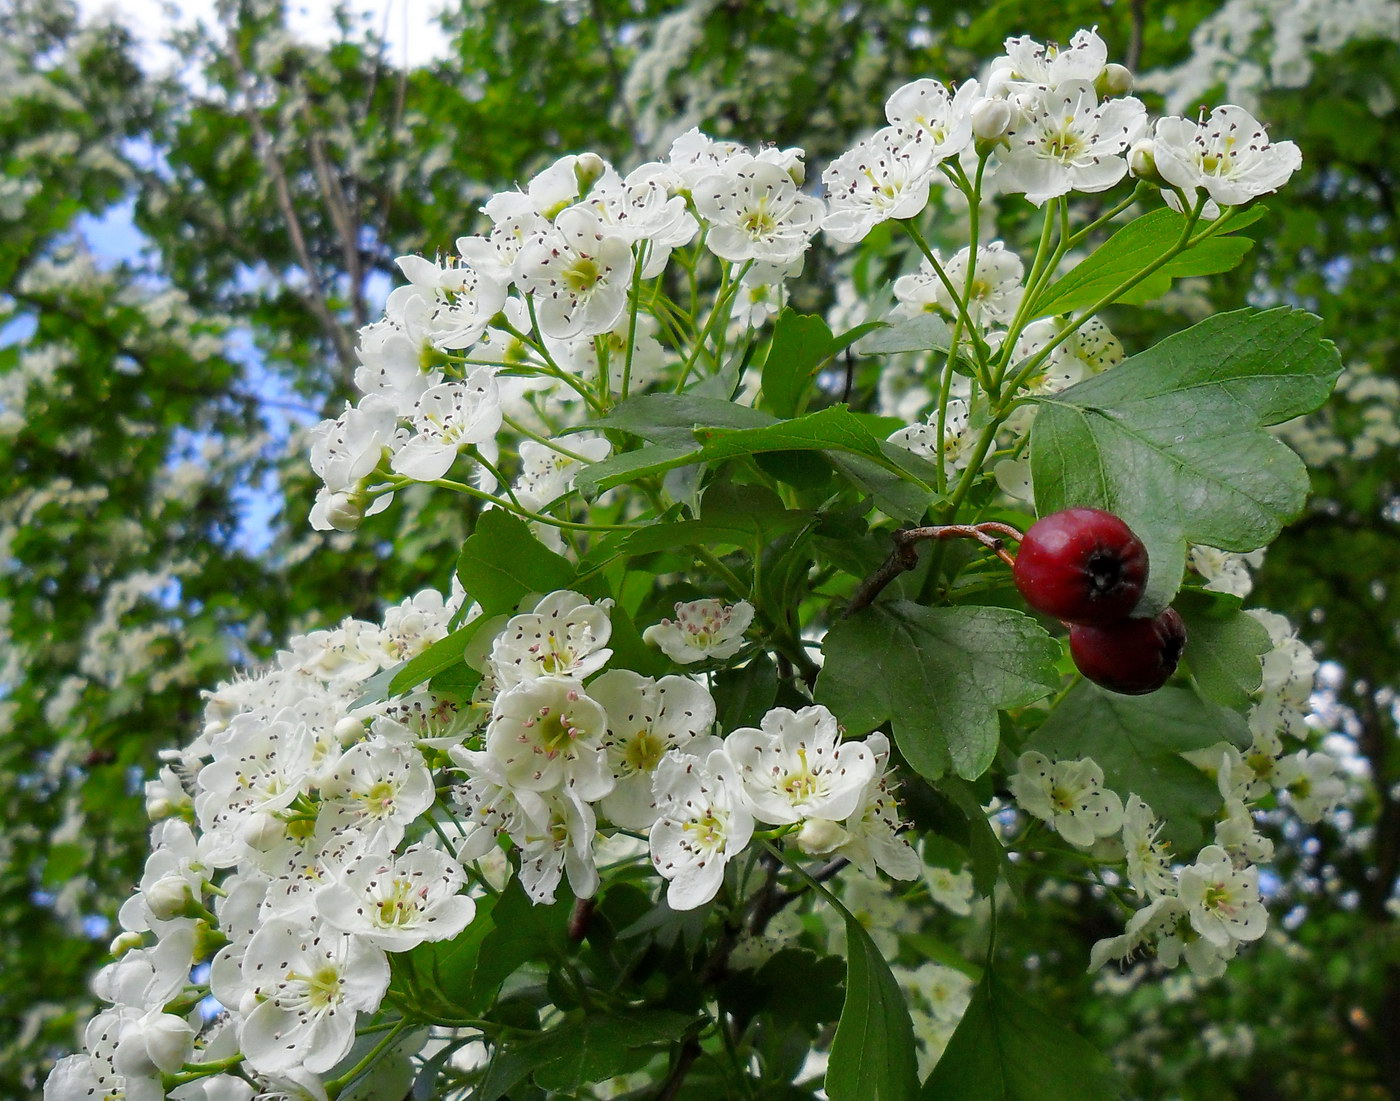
(1132, 656)
(1082, 565)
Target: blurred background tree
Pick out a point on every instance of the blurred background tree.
(153, 531)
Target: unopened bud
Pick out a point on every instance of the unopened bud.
(125, 942)
(155, 1042)
(819, 836)
(348, 730)
(262, 831)
(1142, 161)
(588, 170)
(991, 119)
(343, 512)
(169, 897)
(1115, 80)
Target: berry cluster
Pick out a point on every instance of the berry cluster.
(1085, 567)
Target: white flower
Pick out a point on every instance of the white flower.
(1149, 859)
(1311, 782)
(392, 367)
(447, 418)
(460, 299)
(958, 442)
(702, 824)
(384, 786)
(579, 356)
(703, 630)
(756, 212)
(1069, 795)
(1163, 927)
(646, 719)
(1064, 141)
(546, 733)
(565, 635)
(995, 293)
(399, 902)
(1029, 62)
(872, 838)
(556, 842)
(153, 1042)
(579, 272)
(546, 474)
(694, 156)
(1284, 702)
(925, 112)
(1223, 571)
(951, 890)
(795, 766)
(306, 985)
(347, 450)
(1222, 900)
(887, 175)
(1228, 154)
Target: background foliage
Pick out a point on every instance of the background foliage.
(153, 530)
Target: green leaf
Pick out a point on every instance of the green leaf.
(1138, 741)
(1225, 650)
(453, 963)
(1005, 1049)
(671, 419)
(1133, 248)
(1172, 440)
(872, 1054)
(892, 493)
(501, 562)
(743, 696)
(591, 1048)
(801, 344)
(835, 428)
(939, 675)
(924, 332)
(521, 932)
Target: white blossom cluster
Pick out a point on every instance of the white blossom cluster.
(300, 839)
(532, 317)
(1201, 912)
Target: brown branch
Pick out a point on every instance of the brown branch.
(346, 220)
(1134, 54)
(316, 297)
(905, 555)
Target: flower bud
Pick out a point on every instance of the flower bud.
(125, 942)
(1115, 80)
(156, 1041)
(262, 831)
(588, 170)
(348, 730)
(343, 512)
(1142, 161)
(819, 836)
(169, 897)
(991, 119)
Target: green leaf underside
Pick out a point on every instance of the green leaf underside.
(1224, 652)
(872, 1053)
(925, 332)
(1172, 440)
(1131, 249)
(591, 1048)
(835, 429)
(939, 676)
(1138, 741)
(1006, 1049)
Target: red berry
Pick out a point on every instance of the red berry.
(1132, 656)
(1082, 565)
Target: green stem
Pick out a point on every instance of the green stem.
(918, 238)
(335, 1085)
(638, 260)
(515, 426)
(524, 513)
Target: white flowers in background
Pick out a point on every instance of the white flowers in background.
(756, 212)
(346, 451)
(1227, 154)
(703, 630)
(447, 418)
(1223, 571)
(1069, 795)
(1284, 698)
(871, 831)
(993, 297)
(795, 767)
(547, 472)
(579, 272)
(953, 890)
(1063, 140)
(954, 451)
(1311, 783)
